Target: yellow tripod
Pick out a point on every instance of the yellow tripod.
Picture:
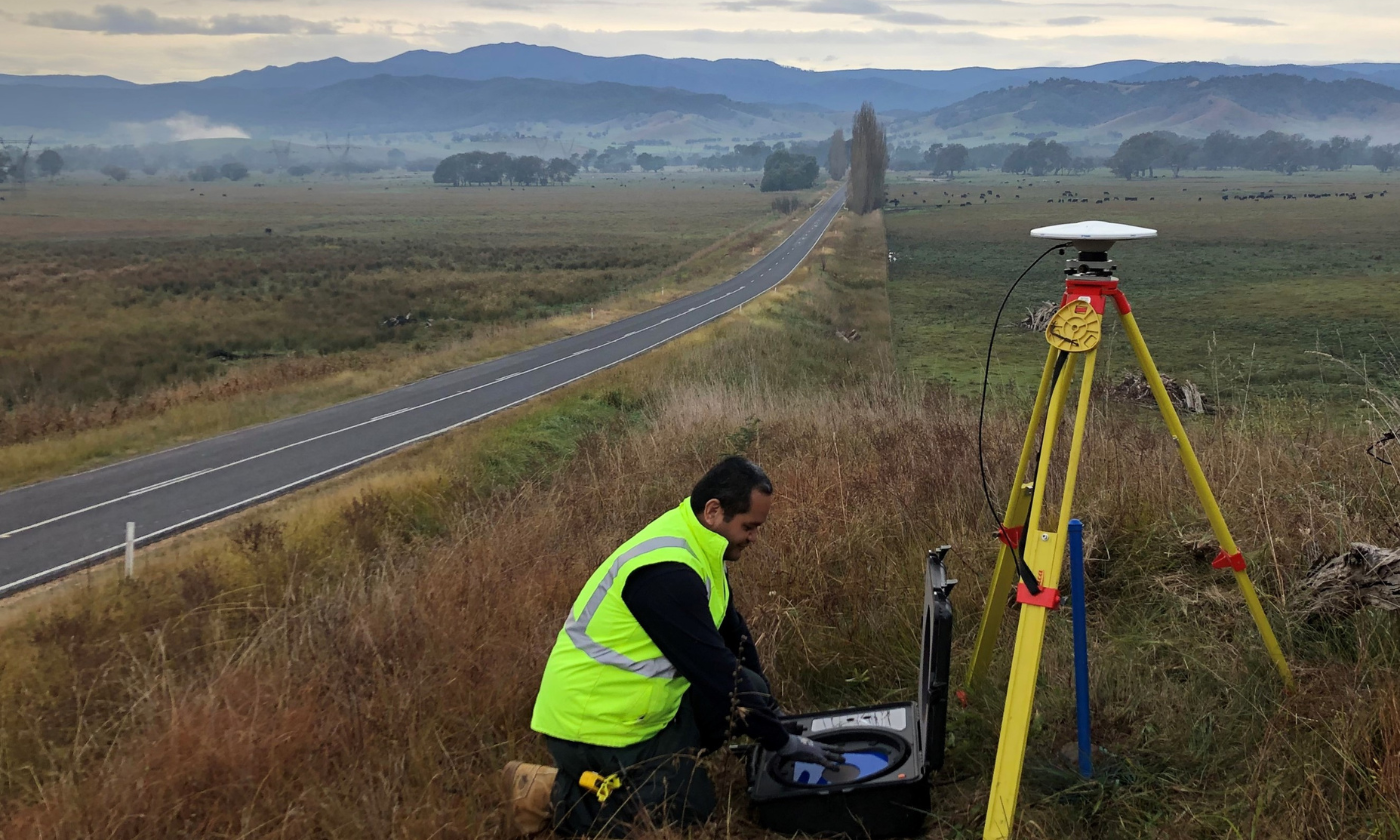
(1036, 555)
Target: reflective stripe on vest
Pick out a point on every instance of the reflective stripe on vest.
(577, 626)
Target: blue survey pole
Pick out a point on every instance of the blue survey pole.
(1081, 643)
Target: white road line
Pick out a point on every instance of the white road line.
(361, 424)
(251, 500)
(165, 483)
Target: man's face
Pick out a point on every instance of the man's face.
(742, 528)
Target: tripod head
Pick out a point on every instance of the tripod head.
(1092, 240)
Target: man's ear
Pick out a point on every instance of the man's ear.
(713, 514)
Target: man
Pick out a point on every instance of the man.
(653, 667)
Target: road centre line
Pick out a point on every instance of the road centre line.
(204, 517)
(162, 484)
(324, 435)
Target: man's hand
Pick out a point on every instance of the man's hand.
(799, 748)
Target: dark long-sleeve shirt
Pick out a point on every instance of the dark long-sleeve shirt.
(670, 603)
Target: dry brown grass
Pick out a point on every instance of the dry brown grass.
(363, 667)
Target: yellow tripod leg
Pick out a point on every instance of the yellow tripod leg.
(1005, 570)
(1043, 555)
(1203, 492)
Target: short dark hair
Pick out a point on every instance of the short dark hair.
(731, 481)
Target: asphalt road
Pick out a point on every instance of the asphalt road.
(56, 527)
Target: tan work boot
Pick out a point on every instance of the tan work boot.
(528, 788)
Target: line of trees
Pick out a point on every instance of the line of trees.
(498, 167)
(1274, 151)
(745, 156)
(869, 159)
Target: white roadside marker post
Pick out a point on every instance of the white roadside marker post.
(131, 549)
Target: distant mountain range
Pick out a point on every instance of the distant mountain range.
(522, 88)
(743, 80)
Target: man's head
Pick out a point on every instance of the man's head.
(733, 500)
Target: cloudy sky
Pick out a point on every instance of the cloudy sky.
(167, 40)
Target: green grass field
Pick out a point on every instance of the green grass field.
(1232, 295)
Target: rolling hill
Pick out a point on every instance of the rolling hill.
(1107, 112)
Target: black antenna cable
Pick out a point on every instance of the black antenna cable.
(1016, 552)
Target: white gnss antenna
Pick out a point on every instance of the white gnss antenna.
(1092, 240)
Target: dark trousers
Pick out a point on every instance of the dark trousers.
(662, 783)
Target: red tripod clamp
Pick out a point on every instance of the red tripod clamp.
(1228, 561)
(1048, 598)
(1010, 536)
(1095, 292)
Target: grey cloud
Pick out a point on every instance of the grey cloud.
(1246, 21)
(876, 11)
(506, 5)
(750, 5)
(1138, 6)
(1081, 20)
(119, 20)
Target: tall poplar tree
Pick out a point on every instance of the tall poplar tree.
(836, 162)
(869, 158)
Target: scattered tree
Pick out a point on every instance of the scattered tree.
(526, 170)
(50, 163)
(116, 173)
(1140, 154)
(1181, 155)
(301, 170)
(1038, 157)
(233, 171)
(869, 159)
(784, 170)
(206, 172)
(1384, 157)
(4, 166)
(837, 156)
(616, 159)
(561, 171)
(650, 162)
(950, 160)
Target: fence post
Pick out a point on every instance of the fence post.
(131, 549)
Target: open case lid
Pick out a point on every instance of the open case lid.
(935, 652)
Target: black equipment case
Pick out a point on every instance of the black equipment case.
(791, 797)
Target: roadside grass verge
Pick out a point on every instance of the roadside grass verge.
(360, 659)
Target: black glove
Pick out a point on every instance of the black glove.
(799, 748)
(792, 727)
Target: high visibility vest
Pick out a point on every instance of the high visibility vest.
(606, 682)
